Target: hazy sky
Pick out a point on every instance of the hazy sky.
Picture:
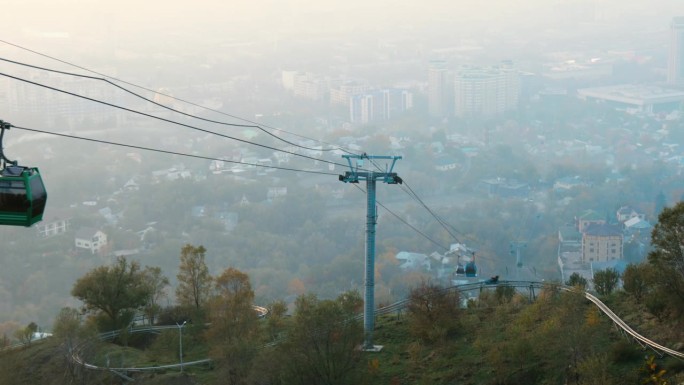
(156, 18)
(92, 32)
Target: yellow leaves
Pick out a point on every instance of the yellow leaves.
(592, 317)
(373, 366)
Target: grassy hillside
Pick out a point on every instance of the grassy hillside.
(558, 339)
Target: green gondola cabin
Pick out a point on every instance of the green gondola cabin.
(22, 196)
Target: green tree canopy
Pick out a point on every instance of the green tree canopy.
(576, 279)
(667, 258)
(637, 280)
(115, 291)
(605, 281)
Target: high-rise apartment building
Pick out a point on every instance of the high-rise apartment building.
(675, 64)
(379, 105)
(439, 89)
(486, 91)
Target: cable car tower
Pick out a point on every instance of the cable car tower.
(354, 176)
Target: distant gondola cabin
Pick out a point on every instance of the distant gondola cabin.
(471, 269)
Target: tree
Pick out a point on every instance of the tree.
(194, 281)
(433, 312)
(576, 280)
(323, 340)
(667, 256)
(276, 318)
(637, 280)
(667, 239)
(660, 203)
(157, 284)
(605, 281)
(234, 329)
(115, 291)
(25, 334)
(67, 324)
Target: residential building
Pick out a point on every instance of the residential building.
(59, 108)
(445, 163)
(675, 63)
(439, 94)
(379, 106)
(343, 94)
(90, 239)
(486, 91)
(601, 242)
(649, 99)
(587, 218)
(626, 213)
(638, 227)
(503, 187)
(54, 224)
(411, 261)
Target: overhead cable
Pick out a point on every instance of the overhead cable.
(255, 124)
(170, 121)
(169, 152)
(405, 222)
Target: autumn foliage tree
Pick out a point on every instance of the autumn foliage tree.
(322, 342)
(433, 312)
(157, 283)
(194, 280)
(233, 331)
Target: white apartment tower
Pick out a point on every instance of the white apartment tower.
(486, 91)
(675, 63)
(438, 89)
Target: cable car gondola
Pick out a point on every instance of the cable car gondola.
(471, 269)
(22, 192)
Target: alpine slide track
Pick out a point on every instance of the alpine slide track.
(532, 287)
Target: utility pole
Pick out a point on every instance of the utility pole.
(354, 176)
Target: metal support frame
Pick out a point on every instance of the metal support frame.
(356, 174)
(3, 159)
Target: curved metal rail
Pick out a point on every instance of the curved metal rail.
(395, 307)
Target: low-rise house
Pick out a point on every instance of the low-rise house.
(626, 213)
(569, 236)
(503, 187)
(58, 222)
(587, 218)
(276, 192)
(445, 163)
(568, 183)
(412, 261)
(637, 226)
(90, 239)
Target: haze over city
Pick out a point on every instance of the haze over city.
(530, 133)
